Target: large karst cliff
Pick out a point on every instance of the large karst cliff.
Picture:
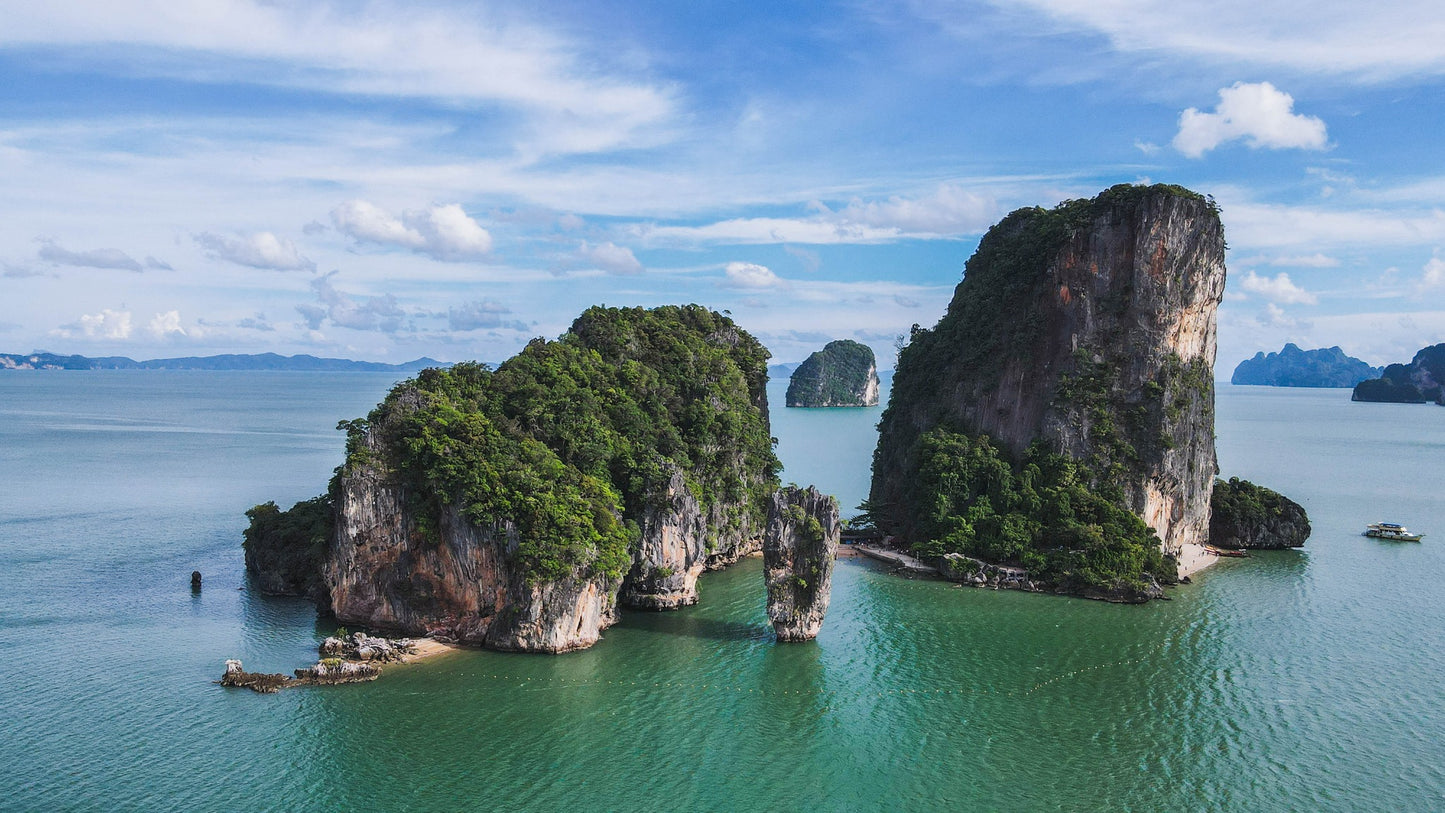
(516, 508)
(1079, 347)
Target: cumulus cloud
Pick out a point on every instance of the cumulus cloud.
(1279, 288)
(109, 258)
(610, 257)
(379, 313)
(441, 232)
(165, 325)
(1258, 113)
(483, 314)
(259, 250)
(750, 275)
(108, 324)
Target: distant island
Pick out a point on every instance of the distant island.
(842, 374)
(1414, 383)
(1293, 367)
(230, 361)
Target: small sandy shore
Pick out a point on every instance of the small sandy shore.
(1194, 558)
(426, 648)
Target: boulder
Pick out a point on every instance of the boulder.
(799, 551)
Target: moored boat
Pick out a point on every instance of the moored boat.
(1392, 531)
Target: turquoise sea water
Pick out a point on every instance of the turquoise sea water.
(1291, 681)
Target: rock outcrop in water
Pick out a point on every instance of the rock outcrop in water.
(1078, 349)
(1415, 383)
(799, 550)
(1245, 515)
(842, 374)
(1293, 367)
(517, 508)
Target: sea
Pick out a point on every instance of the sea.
(1302, 680)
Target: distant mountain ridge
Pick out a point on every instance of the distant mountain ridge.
(229, 361)
(1293, 367)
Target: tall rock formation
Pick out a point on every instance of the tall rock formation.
(1089, 329)
(516, 508)
(799, 551)
(1293, 367)
(842, 374)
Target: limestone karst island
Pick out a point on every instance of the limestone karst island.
(1053, 432)
(842, 374)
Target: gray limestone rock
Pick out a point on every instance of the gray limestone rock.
(799, 550)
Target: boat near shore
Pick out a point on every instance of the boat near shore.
(1393, 532)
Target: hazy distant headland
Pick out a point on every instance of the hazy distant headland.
(229, 361)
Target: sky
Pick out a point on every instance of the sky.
(387, 180)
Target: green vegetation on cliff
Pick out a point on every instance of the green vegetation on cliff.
(1039, 513)
(570, 439)
(285, 549)
(843, 373)
(1245, 515)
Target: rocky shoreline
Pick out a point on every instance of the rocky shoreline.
(353, 659)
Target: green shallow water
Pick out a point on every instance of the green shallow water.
(1291, 681)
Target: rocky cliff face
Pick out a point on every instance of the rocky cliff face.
(1090, 328)
(799, 551)
(843, 374)
(459, 582)
(1293, 367)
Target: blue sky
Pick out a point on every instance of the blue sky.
(389, 180)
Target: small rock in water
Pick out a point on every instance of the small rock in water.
(195, 581)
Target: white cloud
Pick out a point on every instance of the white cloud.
(166, 324)
(610, 257)
(441, 232)
(259, 250)
(1279, 288)
(948, 210)
(1258, 113)
(108, 324)
(750, 275)
(109, 258)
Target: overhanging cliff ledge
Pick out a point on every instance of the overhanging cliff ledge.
(1060, 416)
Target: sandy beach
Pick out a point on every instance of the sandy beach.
(426, 648)
(1194, 558)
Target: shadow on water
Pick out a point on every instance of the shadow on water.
(684, 623)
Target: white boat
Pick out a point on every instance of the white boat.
(1389, 530)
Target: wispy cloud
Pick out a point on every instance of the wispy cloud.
(108, 258)
(463, 54)
(483, 314)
